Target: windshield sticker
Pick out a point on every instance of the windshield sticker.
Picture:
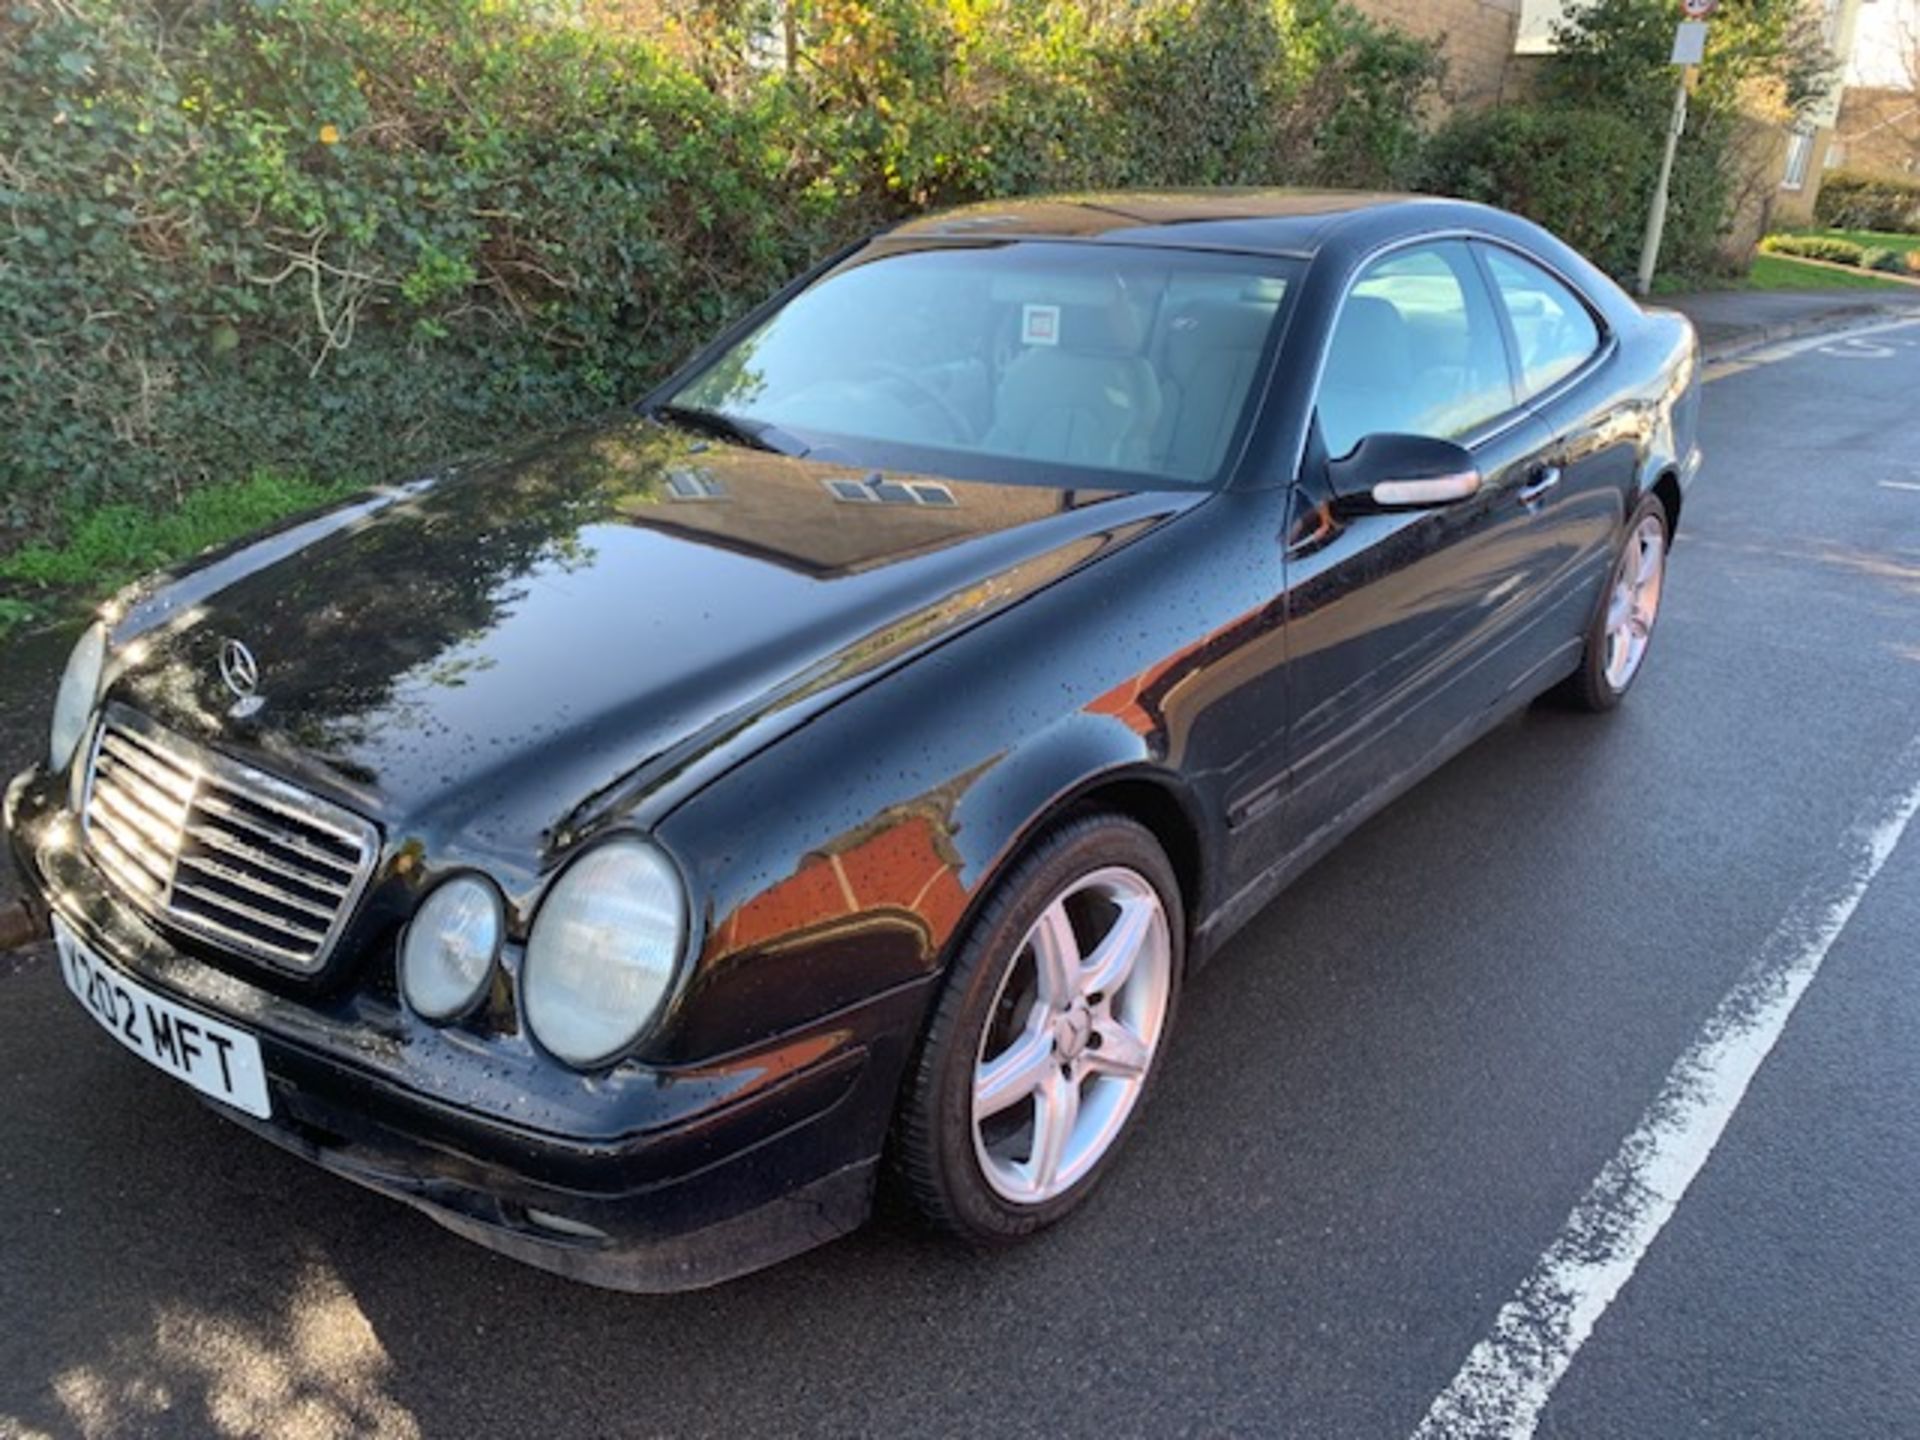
(1040, 324)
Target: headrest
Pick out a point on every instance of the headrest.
(1109, 329)
(1369, 343)
(1207, 327)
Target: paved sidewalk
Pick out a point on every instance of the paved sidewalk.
(1732, 320)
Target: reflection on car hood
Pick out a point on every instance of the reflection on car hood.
(586, 618)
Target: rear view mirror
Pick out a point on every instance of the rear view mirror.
(1403, 472)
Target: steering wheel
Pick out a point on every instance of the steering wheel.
(958, 423)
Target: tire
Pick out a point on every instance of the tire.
(1000, 1035)
(1613, 658)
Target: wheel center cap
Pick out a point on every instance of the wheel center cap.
(1070, 1031)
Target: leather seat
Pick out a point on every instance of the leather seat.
(1091, 399)
(1367, 388)
(1212, 351)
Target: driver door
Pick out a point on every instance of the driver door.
(1398, 622)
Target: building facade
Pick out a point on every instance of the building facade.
(1478, 37)
(1878, 133)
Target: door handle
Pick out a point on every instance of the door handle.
(1541, 481)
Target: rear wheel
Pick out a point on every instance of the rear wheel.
(1047, 1035)
(1622, 632)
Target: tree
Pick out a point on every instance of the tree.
(1765, 58)
(1767, 66)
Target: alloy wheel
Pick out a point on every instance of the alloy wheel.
(1071, 1035)
(1634, 602)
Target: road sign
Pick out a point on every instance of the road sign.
(1698, 9)
(1689, 42)
(1689, 49)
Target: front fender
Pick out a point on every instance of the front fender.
(1008, 805)
(840, 861)
(849, 886)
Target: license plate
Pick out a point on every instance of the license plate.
(211, 1056)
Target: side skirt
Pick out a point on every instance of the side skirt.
(1253, 897)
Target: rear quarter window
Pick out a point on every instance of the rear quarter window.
(1554, 333)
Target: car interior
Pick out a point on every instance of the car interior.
(1143, 368)
(1414, 353)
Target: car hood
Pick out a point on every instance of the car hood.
(503, 653)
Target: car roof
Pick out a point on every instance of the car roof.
(1278, 222)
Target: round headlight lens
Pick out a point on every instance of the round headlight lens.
(603, 952)
(79, 690)
(447, 955)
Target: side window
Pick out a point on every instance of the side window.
(1554, 331)
(1416, 350)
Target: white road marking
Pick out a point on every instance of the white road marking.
(1899, 485)
(1787, 349)
(1858, 350)
(1510, 1375)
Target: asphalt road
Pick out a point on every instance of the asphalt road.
(1384, 1100)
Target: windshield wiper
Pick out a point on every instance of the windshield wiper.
(755, 434)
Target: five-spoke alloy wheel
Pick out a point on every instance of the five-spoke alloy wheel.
(1045, 1038)
(1622, 631)
(1071, 1034)
(1634, 600)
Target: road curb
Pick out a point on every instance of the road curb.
(1755, 337)
(16, 926)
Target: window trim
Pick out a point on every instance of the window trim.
(1486, 429)
(1800, 139)
(1602, 330)
(1521, 413)
(1500, 424)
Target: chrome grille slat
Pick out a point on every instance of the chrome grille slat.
(134, 860)
(141, 762)
(246, 943)
(160, 831)
(220, 808)
(317, 830)
(219, 902)
(241, 881)
(169, 810)
(220, 850)
(215, 838)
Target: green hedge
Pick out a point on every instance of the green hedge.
(1849, 201)
(327, 241)
(340, 238)
(1817, 247)
(343, 238)
(1585, 174)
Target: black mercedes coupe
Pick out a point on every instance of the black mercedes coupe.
(633, 847)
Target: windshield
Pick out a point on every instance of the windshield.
(1010, 361)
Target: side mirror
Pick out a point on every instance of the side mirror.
(1403, 472)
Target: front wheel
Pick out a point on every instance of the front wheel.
(1047, 1034)
(1622, 632)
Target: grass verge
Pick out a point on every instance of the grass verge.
(1868, 239)
(1777, 272)
(107, 546)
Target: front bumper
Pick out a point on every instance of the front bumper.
(685, 1177)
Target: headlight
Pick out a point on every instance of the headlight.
(447, 955)
(79, 690)
(603, 951)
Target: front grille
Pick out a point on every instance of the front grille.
(219, 849)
